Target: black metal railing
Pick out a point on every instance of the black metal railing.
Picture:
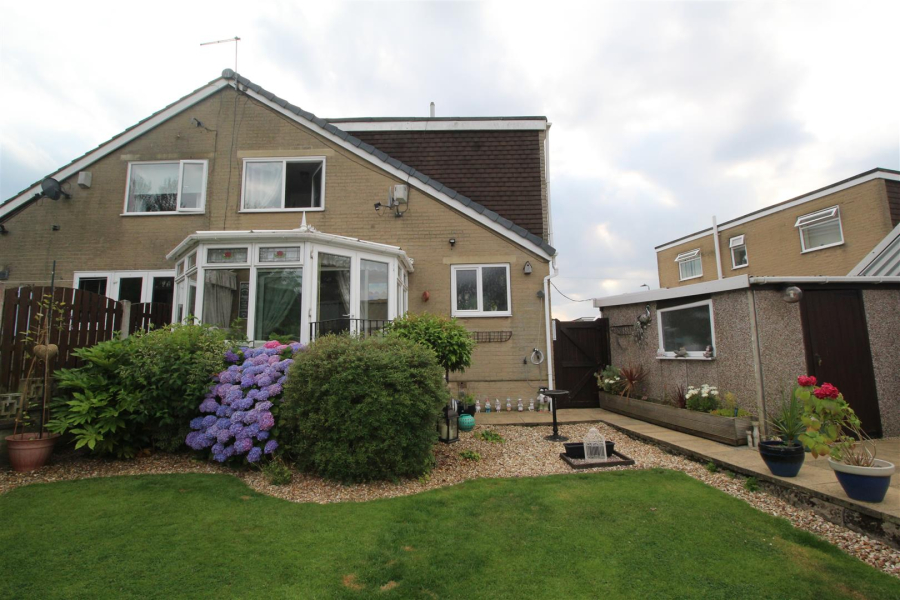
(361, 327)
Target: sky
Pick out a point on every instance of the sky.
(663, 113)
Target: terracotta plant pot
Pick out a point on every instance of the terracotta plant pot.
(27, 452)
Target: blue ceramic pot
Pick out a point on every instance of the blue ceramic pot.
(466, 422)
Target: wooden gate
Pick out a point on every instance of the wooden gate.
(838, 352)
(581, 350)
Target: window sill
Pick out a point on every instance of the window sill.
(279, 210)
(194, 213)
(841, 243)
(465, 315)
(734, 268)
(703, 358)
(700, 276)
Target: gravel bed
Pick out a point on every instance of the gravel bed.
(523, 454)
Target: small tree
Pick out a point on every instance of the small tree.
(449, 340)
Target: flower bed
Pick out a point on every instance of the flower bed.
(728, 430)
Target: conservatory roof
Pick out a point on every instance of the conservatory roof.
(303, 233)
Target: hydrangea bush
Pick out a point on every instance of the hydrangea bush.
(241, 403)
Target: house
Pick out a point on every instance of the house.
(237, 207)
(825, 232)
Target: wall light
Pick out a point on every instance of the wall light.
(452, 242)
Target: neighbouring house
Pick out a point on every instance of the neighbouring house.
(237, 207)
(762, 332)
(825, 232)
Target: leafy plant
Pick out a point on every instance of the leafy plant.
(702, 399)
(787, 422)
(831, 425)
(359, 409)
(489, 435)
(730, 474)
(470, 455)
(99, 410)
(169, 370)
(751, 484)
(446, 337)
(679, 396)
(712, 467)
(277, 472)
(632, 377)
(610, 380)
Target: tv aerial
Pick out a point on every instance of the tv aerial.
(235, 39)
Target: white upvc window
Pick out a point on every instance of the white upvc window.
(689, 265)
(821, 229)
(738, 248)
(166, 187)
(283, 184)
(134, 286)
(481, 290)
(690, 327)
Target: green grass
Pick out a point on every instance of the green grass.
(629, 534)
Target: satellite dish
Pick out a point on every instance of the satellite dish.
(52, 189)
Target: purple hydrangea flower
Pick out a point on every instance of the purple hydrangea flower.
(263, 405)
(266, 420)
(271, 446)
(263, 394)
(254, 455)
(252, 429)
(231, 357)
(218, 448)
(223, 423)
(263, 381)
(209, 421)
(236, 428)
(243, 445)
(237, 416)
(275, 389)
(247, 381)
(262, 435)
(243, 404)
(251, 416)
(209, 405)
(197, 423)
(223, 436)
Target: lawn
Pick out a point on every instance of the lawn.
(629, 534)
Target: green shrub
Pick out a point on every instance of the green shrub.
(751, 484)
(449, 340)
(98, 409)
(277, 472)
(712, 467)
(702, 399)
(362, 409)
(489, 435)
(169, 370)
(138, 392)
(610, 380)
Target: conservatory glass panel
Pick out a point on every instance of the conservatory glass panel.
(222, 298)
(278, 303)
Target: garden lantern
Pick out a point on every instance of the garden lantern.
(594, 445)
(448, 425)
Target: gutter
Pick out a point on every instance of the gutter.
(825, 279)
(547, 323)
(716, 243)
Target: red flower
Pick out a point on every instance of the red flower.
(806, 381)
(826, 391)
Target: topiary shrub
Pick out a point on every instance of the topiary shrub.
(362, 409)
(449, 340)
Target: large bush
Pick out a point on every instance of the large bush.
(362, 409)
(169, 369)
(138, 392)
(449, 340)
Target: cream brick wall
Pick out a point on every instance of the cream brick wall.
(773, 243)
(93, 235)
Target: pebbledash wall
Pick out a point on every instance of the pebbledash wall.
(781, 349)
(94, 236)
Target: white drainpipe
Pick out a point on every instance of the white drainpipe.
(549, 324)
(716, 242)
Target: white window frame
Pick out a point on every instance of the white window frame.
(686, 257)
(284, 161)
(114, 277)
(178, 210)
(817, 218)
(692, 354)
(480, 312)
(735, 243)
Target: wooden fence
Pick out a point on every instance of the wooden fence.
(87, 319)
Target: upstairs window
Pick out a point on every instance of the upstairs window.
(738, 252)
(166, 187)
(689, 265)
(481, 290)
(820, 229)
(283, 184)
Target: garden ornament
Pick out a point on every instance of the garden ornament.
(46, 351)
(681, 352)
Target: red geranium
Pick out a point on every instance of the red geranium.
(806, 381)
(826, 391)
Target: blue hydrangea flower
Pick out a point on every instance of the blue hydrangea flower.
(262, 435)
(266, 420)
(251, 416)
(275, 389)
(263, 405)
(220, 457)
(223, 423)
(197, 423)
(254, 455)
(243, 445)
(237, 416)
(263, 394)
(252, 429)
(220, 412)
(271, 446)
(209, 405)
(209, 421)
(218, 448)
(231, 357)
(224, 436)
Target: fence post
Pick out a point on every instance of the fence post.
(126, 319)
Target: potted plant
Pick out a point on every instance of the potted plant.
(30, 450)
(833, 429)
(784, 455)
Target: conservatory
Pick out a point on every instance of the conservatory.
(297, 284)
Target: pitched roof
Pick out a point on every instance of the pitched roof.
(414, 177)
(499, 168)
(884, 259)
